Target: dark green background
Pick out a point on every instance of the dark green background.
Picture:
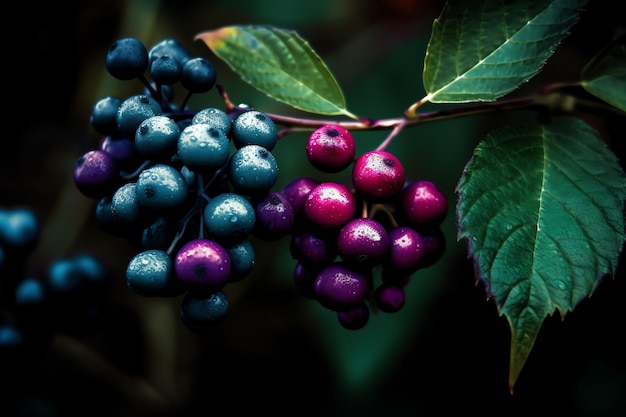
(277, 352)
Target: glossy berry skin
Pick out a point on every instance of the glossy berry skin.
(254, 128)
(214, 117)
(242, 259)
(170, 47)
(103, 115)
(125, 206)
(252, 170)
(160, 188)
(274, 216)
(330, 205)
(203, 148)
(378, 175)
(363, 242)
(229, 217)
(134, 110)
(406, 250)
(156, 138)
(199, 310)
(339, 288)
(389, 298)
(297, 190)
(165, 70)
(330, 148)
(150, 272)
(202, 263)
(96, 173)
(354, 318)
(199, 75)
(127, 58)
(423, 203)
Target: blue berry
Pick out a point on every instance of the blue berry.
(199, 75)
(229, 217)
(215, 118)
(161, 187)
(169, 47)
(20, 229)
(242, 259)
(199, 311)
(127, 58)
(254, 128)
(103, 116)
(203, 148)
(134, 110)
(252, 170)
(165, 70)
(150, 273)
(156, 138)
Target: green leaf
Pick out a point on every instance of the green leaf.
(605, 75)
(542, 210)
(483, 50)
(280, 64)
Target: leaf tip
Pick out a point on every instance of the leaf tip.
(214, 39)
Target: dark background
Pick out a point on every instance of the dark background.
(277, 352)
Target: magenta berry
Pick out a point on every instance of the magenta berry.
(406, 250)
(339, 288)
(330, 205)
(330, 148)
(423, 203)
(363, 242)
(203, 263)
(378, 175)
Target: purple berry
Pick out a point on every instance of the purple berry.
(339, 288)
(423, 203)
(297, 191)
(330, 148)
(203, 263)
(312, 249)
(378, 175)
(274, 216)
(363, 242)
(330, 205)
(123, 150)
(406, 250)
(96, 174)
(389, 298)
(355, 317)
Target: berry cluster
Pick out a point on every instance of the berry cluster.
(343, 234)
(188, 188)
(68, 296)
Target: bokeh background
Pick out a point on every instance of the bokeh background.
(278, 352)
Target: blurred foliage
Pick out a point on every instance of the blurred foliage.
(278, 352)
